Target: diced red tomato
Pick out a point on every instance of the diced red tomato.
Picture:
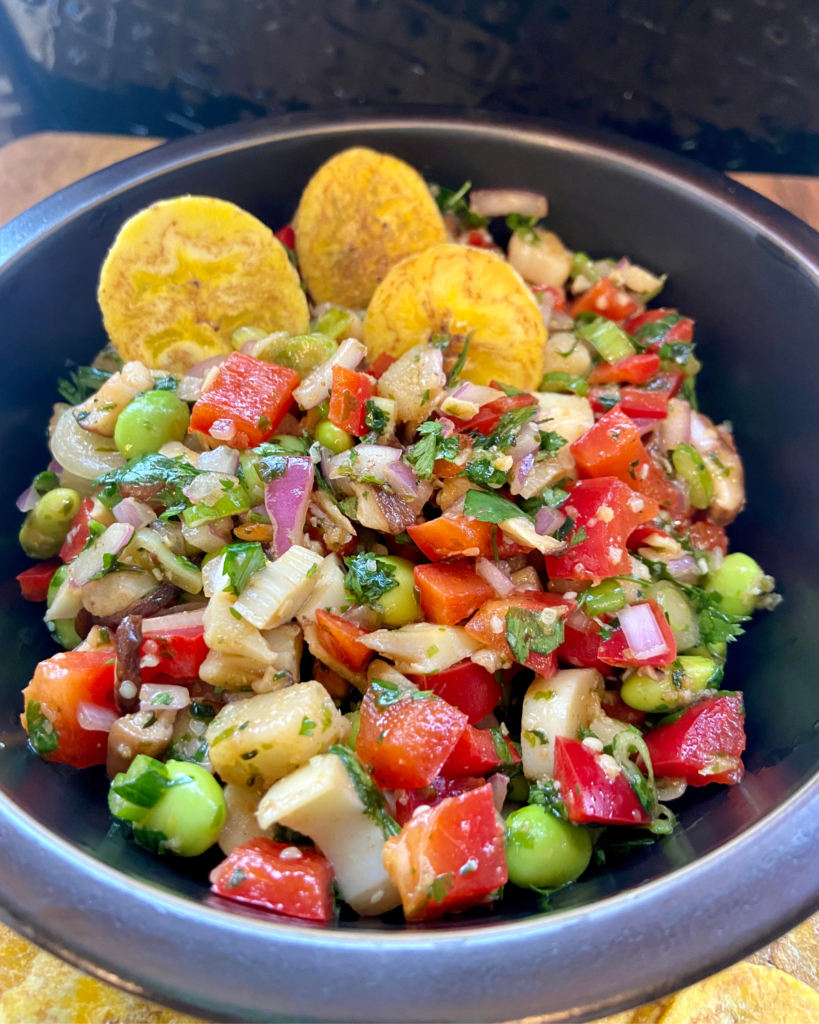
(380, 365)
(606, 299)
(34, 581)
(636, 369)
(705, 536)
(287, 236)
(590, 794)
(650, 316)
(489, 415)
(479, 240)
(704, 745)
(443, 468)
(341, 639)
(449, 857)
(248, 394)
(348, 399)
(579, 647)
(615, 651)
(612, 447)
(466, 686)
(79, 533)
(476, 753)
(639, 538)
(603, 552)
(615, 707)
(180, 653)
(646, 405)
(461, 537)
(406, 743)
(558, 294)
(59, 686)
(682, 330)
(450, 591)
(484, 624)
(260, 873)
(406, 800)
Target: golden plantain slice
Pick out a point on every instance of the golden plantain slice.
(456, 289)
(360, 214)
(183, 274)
(746, 993)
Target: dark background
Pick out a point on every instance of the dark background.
(733, 84)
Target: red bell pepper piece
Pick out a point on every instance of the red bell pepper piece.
(52, 700)
(34, 581)
(615, 651)
(178, 652)
(558, 295)
(645, 405)
(449, 857)
(461, 537)
(287, 236)
(292, 880)
(407, 742)
(705, 536)
(80, 531)
(703, 745)
(612, 447)
(639, 537)
(466, 686)
(484, 625)
(248, 394)
(341, 639)
(479, 751)
(682, 330)
(380, 365)
(406, 800)
(479, 241)
(450, 591)
(590, 794)
(348, 400)
(606, 299)
(607, 510)
(636, 369)
(489, 415)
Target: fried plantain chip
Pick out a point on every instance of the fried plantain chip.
(360, 214)
(455, 289)
(183, 274)
(747, 993)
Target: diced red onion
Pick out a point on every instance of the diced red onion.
(642, 632)
(54, 467)
(644, 426)
(220, 460)
(623, 263)
(499, 202)
(200, 369)
(316, 385)
(499, 783)
(134, 512)
(523, 452)
(223, 430)
(684, 569)
(402, 478)
(547, 520)
(547, 304)
(498, 580)
(94, 718)
(448, 427)
(180, 697)
(580, 621)
(286, 499)
(174, 621)
(477, 394)
(91, 561)
(676, 427)
(27, 500)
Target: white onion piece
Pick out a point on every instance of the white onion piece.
(670, 789)
(499, 202)
(498, 580)
(477, 394)
(642, 631)
(189, 389)
(134, 512)
(548, 520)
(370, 461)
(27, 500)
(94, 718)
(220, 460)
(200, 369)
(91, 561)
(82, 453)
(499, 784)
(316, 385)
(675, 429)
(223, 430)
(179, 697)
(175, 620)
(684, 569)
(204, 489)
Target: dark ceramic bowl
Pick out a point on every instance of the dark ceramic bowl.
(740, 868)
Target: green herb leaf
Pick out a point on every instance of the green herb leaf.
(385, 693)
(490, 508)
(482, 472)
(455, 202)
(368, 578)
(432, 446)
(307, 727)
(367, 791)
(375, 418)
(551, 441)
(559, 380)
(551, 497)
(241, 561)
(440, 886)
(41, 734)
(523, 226)
(505, 434)
(146, 789)
(45, 482)
(151, 471)
(651, 333)
(152, 840)
(529, 630)
(166, 384)
(545, 795)
(82, 382)
(460, 363)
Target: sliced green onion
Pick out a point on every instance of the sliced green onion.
(560, 381)
(611, 341)
(690, 467)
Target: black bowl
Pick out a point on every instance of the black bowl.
(741, 866)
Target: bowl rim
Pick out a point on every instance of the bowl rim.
(774, 857)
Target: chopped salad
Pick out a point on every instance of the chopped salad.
(387, 552)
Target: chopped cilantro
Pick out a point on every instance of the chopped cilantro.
(655, 331)
(677, 351)
(368, 578)
(457, 369)
(551, 441)
(307, 727)
(83, 382)
(507, 389)
(523, 226)
(501, 747)
(440, 886)
(45, 482)
(166, 384)
(385, 693)
(578, 537)
(455, 202)
(368, 792)
(526, 632)
(432, 446)
(41, 734)
(375, 418)
(152, 840)
(482, 472)
(151, 470)
(545, 795)
(563, 531)
(241, 561)
(551, 497)
(490, 508)
(509, 425)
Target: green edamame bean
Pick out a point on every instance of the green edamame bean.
(545, 851)
(679, 611)
(333, 437)
(606, 597)
(737, 581)
(290, 443)
(61, 629)
(400, 606)
(518, 790)
(149, 421)
(242, 335)
(690, 467)
(302, 352)
(47, 524)
(688, 675)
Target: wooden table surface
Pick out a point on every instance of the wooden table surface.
(35, 986)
